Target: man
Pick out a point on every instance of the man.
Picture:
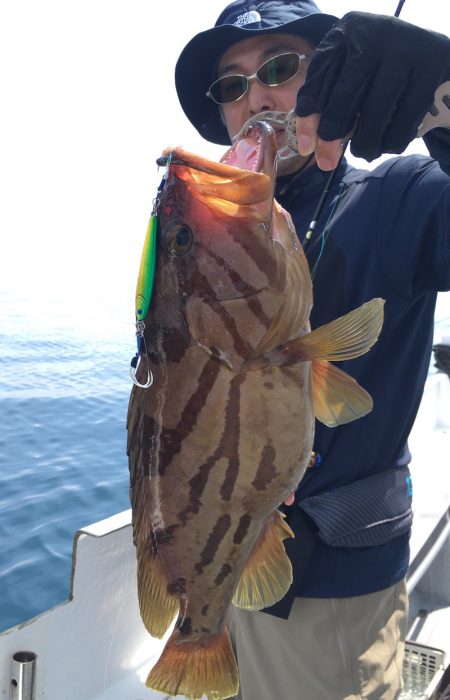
(338, 634)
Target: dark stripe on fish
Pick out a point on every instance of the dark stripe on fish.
(153, 547)
(260, 254)
(208, 293)
(135, 422)
(215, 537)
(241, 346)
(257, 310)
(177, 587)
(196, 487)
(223, 573)
(166, 344)
(171, 439)
(266, 471)
(228, 448)
(232, 429)
(242, 286)
(164, 535)
(185, 626)
(242, 528)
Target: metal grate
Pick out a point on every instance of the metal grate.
(423, 667)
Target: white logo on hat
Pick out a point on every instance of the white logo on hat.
(247, 18)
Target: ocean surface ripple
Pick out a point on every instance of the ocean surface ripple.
(64, 389)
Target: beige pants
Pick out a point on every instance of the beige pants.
(328, 649)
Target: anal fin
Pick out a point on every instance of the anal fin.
(337, 397)
(157, 607)
(196, 667)
(267, 575)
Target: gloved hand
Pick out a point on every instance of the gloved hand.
(375, 74)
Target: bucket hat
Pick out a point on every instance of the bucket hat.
(196, 65)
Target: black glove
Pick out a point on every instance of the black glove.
(378, 74)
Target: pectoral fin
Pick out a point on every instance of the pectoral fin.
(267, 575)
(344, 338)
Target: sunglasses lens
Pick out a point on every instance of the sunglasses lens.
(228, 89)
(275, 71)
(279, 69)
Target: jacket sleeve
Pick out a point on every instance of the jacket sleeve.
(413, 220)
(438, 143)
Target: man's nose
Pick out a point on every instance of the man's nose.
(258, 96)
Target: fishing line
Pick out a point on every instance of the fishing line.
(323, 196)
(295, 175)
(180, 623)
(326, 229)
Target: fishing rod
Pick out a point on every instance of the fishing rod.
(311, 228)
(399, 8)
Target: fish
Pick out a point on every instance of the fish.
(224, 434)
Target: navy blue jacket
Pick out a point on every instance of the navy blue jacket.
(388, 236)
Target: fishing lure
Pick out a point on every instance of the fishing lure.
(144, 288)
(146, 276)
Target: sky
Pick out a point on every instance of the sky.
(88, 104)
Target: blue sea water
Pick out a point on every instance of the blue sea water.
(64, 388)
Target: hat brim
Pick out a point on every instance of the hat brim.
(193, 71)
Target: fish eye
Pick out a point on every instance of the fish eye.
(180, 240)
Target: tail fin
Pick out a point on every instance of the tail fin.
(196, 667)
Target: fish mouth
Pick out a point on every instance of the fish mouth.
(255, 153)
(256, 150)
(245, 174)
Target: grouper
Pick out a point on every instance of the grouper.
(224, 433)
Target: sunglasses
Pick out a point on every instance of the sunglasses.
(276, 71)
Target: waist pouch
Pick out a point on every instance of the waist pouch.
(366, 513)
